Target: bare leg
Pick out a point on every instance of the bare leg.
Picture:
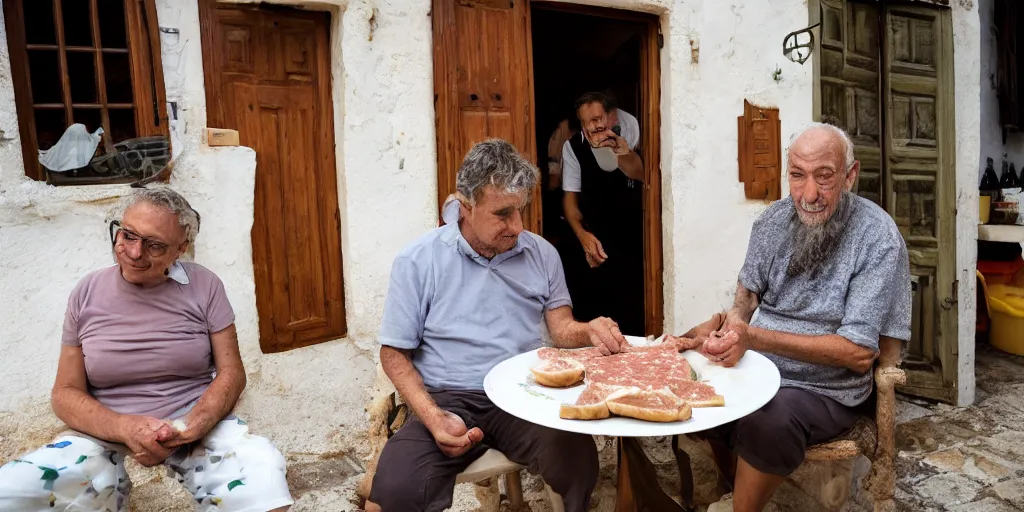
(753, 488)
(372, 507)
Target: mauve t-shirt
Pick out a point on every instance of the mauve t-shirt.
(147, 350)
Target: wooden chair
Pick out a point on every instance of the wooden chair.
(875, 437)
(386, 417)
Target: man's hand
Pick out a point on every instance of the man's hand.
(608, 139)
(604, 334)
(727, 345)
(450, 433)
(593, 249)
(143, 435)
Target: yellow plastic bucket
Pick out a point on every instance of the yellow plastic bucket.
(1006, 314)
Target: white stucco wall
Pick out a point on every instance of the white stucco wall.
(310, 401)
(967, 85)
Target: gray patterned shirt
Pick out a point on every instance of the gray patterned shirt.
(861, 293)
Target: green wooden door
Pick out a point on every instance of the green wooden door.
(885, 75)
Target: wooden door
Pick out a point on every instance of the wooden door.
(881, 71)
(850, 84)
(483, 85)
(268, 76)
(920, 185)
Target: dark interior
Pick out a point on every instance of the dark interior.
(575, 53)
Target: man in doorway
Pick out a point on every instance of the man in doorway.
(463, 298)
(829, 275)
(602, 176)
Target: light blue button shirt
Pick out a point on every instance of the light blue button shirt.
(461, 314)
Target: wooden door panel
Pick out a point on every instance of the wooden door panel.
(884, 75)
(277, 95)
(482, 84)
(920, 186)
(850, 98)
(286, 114)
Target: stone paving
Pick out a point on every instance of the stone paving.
(966, 459)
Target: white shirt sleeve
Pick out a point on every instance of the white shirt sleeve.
(630, 128)
(571, 178)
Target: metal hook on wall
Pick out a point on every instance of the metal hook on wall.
(798, 45)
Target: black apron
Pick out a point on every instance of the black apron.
(612, 208)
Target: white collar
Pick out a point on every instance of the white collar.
(177, 273)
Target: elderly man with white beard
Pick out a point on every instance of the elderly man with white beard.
(828, 274)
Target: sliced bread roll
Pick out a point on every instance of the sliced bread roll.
(649, 405)
(590, 404)
(698, 394)
(598, 411)
(558, 373)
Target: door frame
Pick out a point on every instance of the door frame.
(650, 144)
(327, 180)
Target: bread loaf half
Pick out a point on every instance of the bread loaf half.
(649, 405)
(598, 411)
(698, 394)
(558, 373)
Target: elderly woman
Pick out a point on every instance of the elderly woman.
(149, 368)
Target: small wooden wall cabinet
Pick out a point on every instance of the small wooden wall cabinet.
(760, 152)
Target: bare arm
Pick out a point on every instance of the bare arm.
(632, 166)
(743, 306)
(573, 215)
(73, 404)
(829, 349)
(220, 398)
(592, 248)
(566, 332)
(398, 366)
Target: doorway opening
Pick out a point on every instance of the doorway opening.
(489, 90)
(577, 50)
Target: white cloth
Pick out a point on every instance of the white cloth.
(450, 210)
(73, 151)
(229, 470)
(571, 176)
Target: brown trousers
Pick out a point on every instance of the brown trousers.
(414, 475)
(775, 438)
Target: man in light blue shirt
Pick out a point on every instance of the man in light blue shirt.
(463, 298)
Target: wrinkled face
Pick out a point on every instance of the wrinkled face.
(494, 223)
(595, 120)
(148, 243)
(816, 175)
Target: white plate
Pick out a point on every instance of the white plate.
(746, 388)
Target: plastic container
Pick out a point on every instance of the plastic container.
(1005, 304)
(1003, 272)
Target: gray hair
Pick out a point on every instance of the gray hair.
(495, 162)
(834, 130)
(168, 199)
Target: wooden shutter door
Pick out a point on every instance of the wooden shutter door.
(483, 85)
(850, 99)
(920, 184)
(268, 76)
